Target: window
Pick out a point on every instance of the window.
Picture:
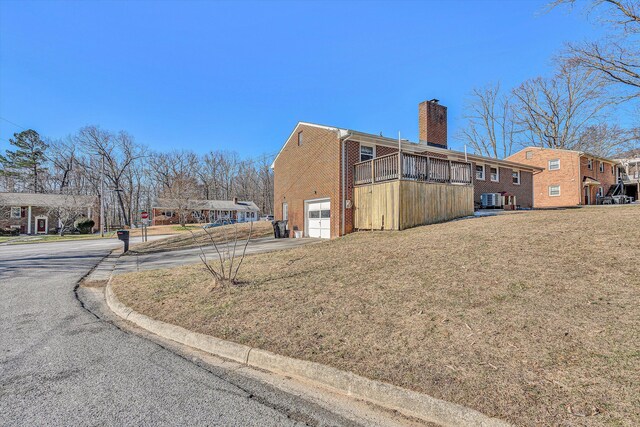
(16, 212)
(590, 164)
(325, 213)
(554, 164)
(495, 174)
(168, 213)
(480, 172)
(366, 153)
(299, 138)
(515, 176)
(600, 192)
(612, 172)
(285, 211)
(554, 190)
(529, 155)
(601, 167)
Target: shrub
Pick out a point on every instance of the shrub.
(84, 225)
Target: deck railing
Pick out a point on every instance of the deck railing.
(415, 167)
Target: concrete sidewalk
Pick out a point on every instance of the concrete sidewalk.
(152, 261)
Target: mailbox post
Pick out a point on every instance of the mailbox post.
(124, 236)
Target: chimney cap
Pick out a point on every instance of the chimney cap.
(434, 100)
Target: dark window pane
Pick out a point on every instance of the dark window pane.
(325, 214)
(314, 214)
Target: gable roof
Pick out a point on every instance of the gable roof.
(415, 147)
(341, 131)
(579, 153)
(211, 205)
(47, 200)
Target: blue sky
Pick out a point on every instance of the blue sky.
(209, 75)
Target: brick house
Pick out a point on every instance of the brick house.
(167, 211)
(35, 213)
(316, 188)
(570, 178)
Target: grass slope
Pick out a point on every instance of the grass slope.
(533, 318)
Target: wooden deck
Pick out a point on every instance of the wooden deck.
(431, 190)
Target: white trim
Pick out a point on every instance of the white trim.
(497, 168)
(519, 177)
(601, 166)
(306, 213)
(29, 222)
(13, 208)
(554, 195)
(294, 132)
(46, 224)
(549, 164)
(484, 172)
(372, 146)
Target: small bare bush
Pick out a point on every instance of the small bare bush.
(225, 271)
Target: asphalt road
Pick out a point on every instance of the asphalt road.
(62, 365)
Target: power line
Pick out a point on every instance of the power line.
(13, 123)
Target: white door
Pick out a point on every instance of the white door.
(319, 219)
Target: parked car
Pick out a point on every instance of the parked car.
(266, 218)
(219, 222)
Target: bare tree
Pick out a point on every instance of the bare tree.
(176, 178)
(490, 129)
(553, 112)
(62, 157)
(617, 57)
(120, 153)
(605, 140)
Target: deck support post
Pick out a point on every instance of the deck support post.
(399, 180)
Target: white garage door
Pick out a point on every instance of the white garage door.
(319, 219)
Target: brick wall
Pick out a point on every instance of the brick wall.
(606, 178)
(570, 176)
(52, 222)
(523, 191)
(567, 177)
(309, 171)
(432, 123)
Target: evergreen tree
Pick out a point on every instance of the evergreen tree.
(27, 161)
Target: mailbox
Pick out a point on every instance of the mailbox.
(124, 236)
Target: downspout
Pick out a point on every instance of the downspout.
(344, 182)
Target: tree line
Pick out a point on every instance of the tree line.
(576, 106)
(127, 174)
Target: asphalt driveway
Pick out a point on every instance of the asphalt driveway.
(151, 261)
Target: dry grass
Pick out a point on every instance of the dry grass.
(533, 318)
(161, 230)
(219, 234)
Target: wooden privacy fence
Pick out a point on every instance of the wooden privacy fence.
(397, 205)
(415, 167)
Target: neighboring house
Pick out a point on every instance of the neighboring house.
(330, 181)
(168, 211)
(629, 176)
(570, 178)
(35, 213)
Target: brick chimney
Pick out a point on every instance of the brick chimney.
(432, 123)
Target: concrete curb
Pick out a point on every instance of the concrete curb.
(405, 401)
